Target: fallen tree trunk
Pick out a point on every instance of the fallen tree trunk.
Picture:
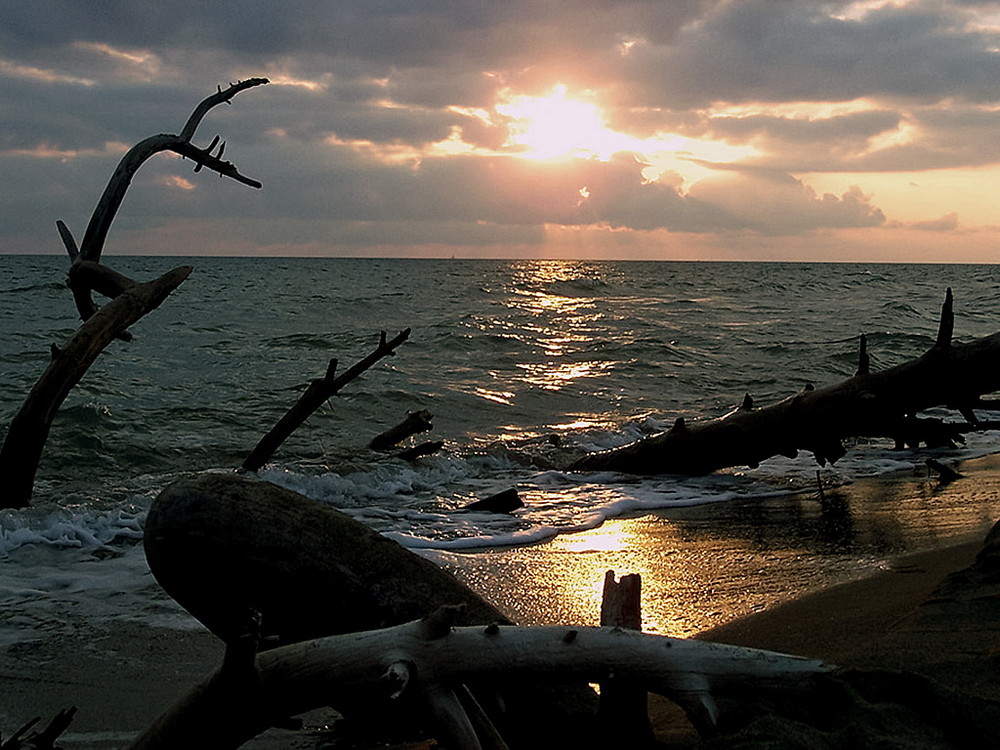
(869, 404)
(223, 544)
(29, 429)
(426, 661)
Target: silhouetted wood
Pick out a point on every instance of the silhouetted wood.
(29, 429)
(26, 738)
(623, 707)
(502, 502)
(870, 404)
(420, 661)
(224, 544)
(426, 448)
(89, 251)
(315, 395)
(945, 473)
(415, 422)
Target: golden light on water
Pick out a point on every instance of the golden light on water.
(560, 330)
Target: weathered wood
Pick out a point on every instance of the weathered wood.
(26, 738)
(315, 395)
(225, 544)
(623, 707)
(621, 601)
(89, 251)
(415, 422)
(427, 448)
(29, 429)
(870, 404)
(26, 436)
(505, 501)
(420, 664)
(945, 473)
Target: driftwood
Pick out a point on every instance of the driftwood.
(869, 404)
(315, 395)
(86, 274)
(623, 710)
(414, 423)
(505, 501)
(425, 661)
(29, 429)
(223, 544)
(420, 450)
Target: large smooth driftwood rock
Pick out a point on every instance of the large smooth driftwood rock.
(223, 544)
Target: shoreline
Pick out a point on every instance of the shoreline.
(787, 574)
(705, 565)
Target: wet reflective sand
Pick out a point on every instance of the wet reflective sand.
(710, 564)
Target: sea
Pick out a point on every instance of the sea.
(525, 365)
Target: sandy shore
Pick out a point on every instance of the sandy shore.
(832, 579)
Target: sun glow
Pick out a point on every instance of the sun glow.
(565, 125)
(558, 125)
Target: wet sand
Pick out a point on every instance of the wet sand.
(829, 579)
(706, 565)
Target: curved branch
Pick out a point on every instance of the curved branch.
(342, 670)
(187, 132)
(114, 193)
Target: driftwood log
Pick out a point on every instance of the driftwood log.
(869, 404)
(223, 544)
(29, 430)
(257, 563)
(415, 422)
(318, 391)
(426, 662)
(26, 738)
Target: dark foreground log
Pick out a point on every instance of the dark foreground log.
(869, 404)
(222, 545)
(28, 431)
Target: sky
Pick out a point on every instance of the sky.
(637, 129)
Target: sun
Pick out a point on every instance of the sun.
(559, 125)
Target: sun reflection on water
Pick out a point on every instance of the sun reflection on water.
(562, 328)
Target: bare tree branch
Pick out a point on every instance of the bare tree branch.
(114, 193)
(319, 390)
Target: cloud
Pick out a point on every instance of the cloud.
(947, 223)
(347, 139)
(765, 51)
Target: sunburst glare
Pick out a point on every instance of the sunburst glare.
(557, 124)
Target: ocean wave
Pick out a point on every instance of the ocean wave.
(66, 528)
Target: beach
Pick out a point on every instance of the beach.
(911, 532)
